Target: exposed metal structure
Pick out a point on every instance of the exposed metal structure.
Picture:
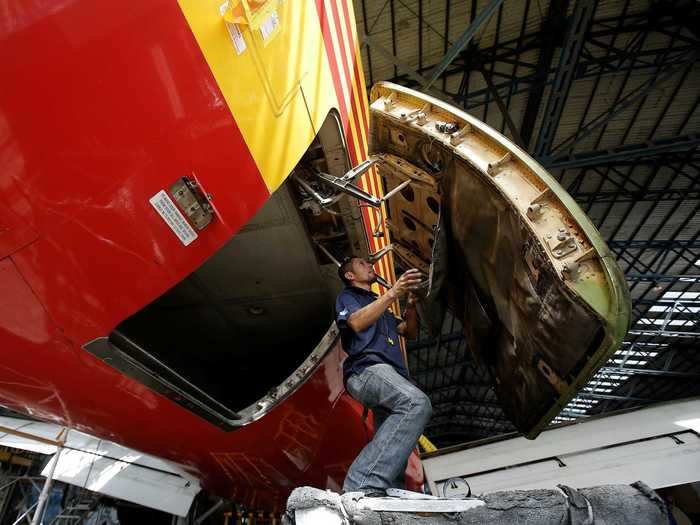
(605, 94)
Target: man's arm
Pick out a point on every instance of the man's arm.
(409, 327)
(368, 315)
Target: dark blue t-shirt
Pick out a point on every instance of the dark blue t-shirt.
(371, 346)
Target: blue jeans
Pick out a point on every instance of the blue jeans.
(401, 411)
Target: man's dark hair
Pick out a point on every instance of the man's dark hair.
(345, 266)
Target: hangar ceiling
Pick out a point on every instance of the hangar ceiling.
(605, 95)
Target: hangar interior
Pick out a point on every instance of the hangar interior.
(605, 95)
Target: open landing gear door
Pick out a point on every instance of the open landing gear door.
(543, 303)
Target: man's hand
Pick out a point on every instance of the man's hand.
(408, 282)
(409, 327)
(363, 318)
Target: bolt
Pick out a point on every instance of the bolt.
(557, 252)
(533, 210)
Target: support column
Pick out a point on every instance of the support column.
(46, 489)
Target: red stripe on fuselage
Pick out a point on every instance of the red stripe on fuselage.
(328, 41)
(351, 81)
(356, 80)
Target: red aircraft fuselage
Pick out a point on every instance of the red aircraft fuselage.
(103, 105)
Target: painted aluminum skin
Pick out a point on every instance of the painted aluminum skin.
(103, 105)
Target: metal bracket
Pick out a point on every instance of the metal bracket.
(390, 101)
(320, 199)
(374, 257)
(458, 136)
(537, 205)
(345, 184)
(193, 202)
(419, 115)
(570, 270)
(534, 211)
(497, 166)
(562, 243)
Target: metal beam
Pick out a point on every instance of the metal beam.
(515, 134)
(654, 82)
(665, 333)
(460, 420)
(654, 244)
(529, 83)
(551, 28)
(547, 39)
(464, 404)
(633, 197)
(462, 41)
(611, 397)
(402, 67)
(566, 68)
(661, 278)
(447, 389)
(427, 343)
(651, 372)
(615, 155)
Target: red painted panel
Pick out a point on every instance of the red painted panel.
(108, 104)
(26, 333)
(310, 438)
(101, 93)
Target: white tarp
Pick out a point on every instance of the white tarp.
(108, 468)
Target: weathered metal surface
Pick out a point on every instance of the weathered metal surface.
(543, 303)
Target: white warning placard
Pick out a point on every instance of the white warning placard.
(236, 37)
(166, 208)
(269, 26)
(233, 30)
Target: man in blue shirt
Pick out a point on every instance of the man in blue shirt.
(375, 375)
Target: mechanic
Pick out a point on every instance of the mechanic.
(375, 374)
